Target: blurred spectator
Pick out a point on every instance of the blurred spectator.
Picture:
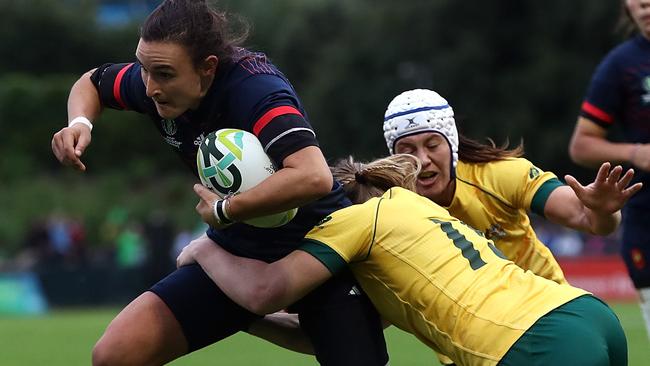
(130, 247)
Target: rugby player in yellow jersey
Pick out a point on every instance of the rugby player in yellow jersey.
(429, 274)
(493, 189)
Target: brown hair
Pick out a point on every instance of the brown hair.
(472, 151)
(195, 25)
(363, 181)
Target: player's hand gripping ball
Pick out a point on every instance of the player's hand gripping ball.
(233, 161)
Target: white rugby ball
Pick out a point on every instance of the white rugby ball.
(234, 161)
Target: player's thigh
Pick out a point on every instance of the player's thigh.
(145, 332)
(342, 324)
(204, 312)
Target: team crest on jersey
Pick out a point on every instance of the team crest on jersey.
(637, 258)
(495, 232)
(645, 84)
(533, 173)
(169, 126)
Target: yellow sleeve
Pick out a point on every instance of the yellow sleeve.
(522, 184)
(342, 237)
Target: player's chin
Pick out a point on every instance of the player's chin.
(167, 111)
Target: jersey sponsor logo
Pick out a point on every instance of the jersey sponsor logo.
(354, 291)
(199, 140)
(645, 84)
(169, 126)
(323, 221)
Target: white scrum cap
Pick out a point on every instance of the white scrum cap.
(420, 110)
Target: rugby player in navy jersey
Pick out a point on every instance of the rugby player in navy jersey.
(192, 79)
(619, 94)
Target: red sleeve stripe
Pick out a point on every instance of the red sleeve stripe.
(272, 113)
(116, 86)
(597, 112)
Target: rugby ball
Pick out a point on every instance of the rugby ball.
(234, 161)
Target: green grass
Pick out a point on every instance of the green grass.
(66, 337)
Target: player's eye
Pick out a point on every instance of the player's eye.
(164, 75)
(404, 150)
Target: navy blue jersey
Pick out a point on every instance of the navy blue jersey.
(248, 93)
(619, 94)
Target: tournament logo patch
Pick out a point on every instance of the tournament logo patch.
(169, 126)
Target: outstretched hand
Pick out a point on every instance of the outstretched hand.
(205, 207)
(609, 192)
(70, 143)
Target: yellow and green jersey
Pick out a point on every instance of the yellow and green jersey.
(433, 276)
(495, 198)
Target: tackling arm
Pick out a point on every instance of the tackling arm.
(260, 287)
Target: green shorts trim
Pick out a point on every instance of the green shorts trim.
(584, 331)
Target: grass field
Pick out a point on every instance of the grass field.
(65, 338)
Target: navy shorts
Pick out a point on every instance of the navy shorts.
(635, 248)
(342, 324)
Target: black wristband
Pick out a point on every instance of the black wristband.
(221, 216)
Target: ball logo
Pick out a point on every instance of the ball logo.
(224, 176)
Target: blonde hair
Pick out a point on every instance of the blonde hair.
(363, 181)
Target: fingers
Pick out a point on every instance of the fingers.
(82, 143)
(202, 192)
(632, 190)
(574, 184)
(615, 174)
(603, 172)
(63, 145)
(627, 178)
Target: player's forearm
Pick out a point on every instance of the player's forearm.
(297, 184)
(602, 223)
(283, 330)
(84, 99)
(566, 209)
(591, 151)
(248, 282)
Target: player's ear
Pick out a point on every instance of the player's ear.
(209, 66)
(207, 69)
